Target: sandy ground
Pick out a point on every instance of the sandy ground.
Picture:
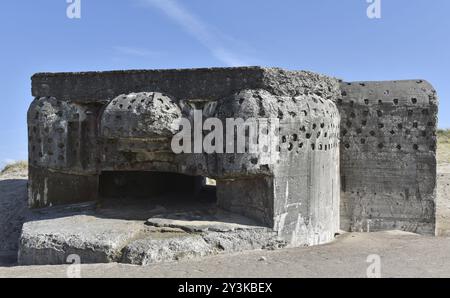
(402, 254)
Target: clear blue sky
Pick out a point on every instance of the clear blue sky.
(410, 41)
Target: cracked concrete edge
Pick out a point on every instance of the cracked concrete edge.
(94, 240)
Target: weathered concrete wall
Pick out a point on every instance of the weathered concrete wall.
(388, 156)
(306, 180)
(300, 198)
(202, 83)
(368, 147)
(83, 124)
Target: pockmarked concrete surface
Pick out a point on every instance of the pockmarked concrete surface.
(401, 255)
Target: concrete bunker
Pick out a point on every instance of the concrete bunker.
(353, 156)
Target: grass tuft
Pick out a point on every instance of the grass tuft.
(18, 166)
(443, 149)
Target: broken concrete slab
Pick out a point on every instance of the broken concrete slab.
(204, 220)
(166, 247)
(95, 240)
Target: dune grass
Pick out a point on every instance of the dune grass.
(18, 166)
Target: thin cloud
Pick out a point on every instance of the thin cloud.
(131, 51)
(197, 29)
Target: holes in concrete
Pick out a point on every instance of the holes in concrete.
(414, 100)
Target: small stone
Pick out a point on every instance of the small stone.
(262, 259)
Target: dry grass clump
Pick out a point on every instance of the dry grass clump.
(15, 167)
(443, 149)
